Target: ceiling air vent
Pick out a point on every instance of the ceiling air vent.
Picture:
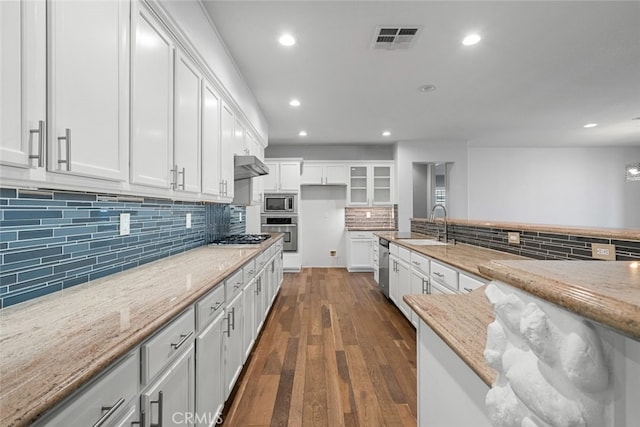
(390, 38)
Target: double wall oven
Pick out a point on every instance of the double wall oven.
(280, 215)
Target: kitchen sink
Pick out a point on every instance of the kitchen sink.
(423, 242)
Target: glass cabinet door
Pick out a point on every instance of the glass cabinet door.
(381, 184)
(358, 185)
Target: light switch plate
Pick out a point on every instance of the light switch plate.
(368, 214)
(188, 220)
(125, 224)
(601, 251)
(513, 237)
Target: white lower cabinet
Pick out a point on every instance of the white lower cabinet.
(104, 400)
(170, 399)
(209, 385)
(446, 384)
(249, 298)
(233, 354)
(360, 252)
(419, 285)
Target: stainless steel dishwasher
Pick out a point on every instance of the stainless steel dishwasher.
(383, 266)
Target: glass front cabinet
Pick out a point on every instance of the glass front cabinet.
(370, 184)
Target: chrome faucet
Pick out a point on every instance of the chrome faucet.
(433, 211)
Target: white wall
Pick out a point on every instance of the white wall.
(439, 152)
(191, 17)
(582, 186)
(333, 151)
(322, 226)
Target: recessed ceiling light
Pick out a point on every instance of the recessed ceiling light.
(426, 88)
(287, 40)
(294, 103)
(386, 133)
(591, 125)
(471, 39)
(302, 133)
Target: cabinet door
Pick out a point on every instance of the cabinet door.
(248, 321)
(151, 101)
(240, 145)
(360, 254)
(186, 125)
(335, 174)
(394, 290)
(404, 287)
(312, 173)
(210, 140)
(209, 386)
(382, 185)
(358, 185)
(290, 176)
(227, 151)
(419, 285)
(233, 343)
(271, 181)
(260, 300)
(172, 395)
(89, 92)
(22, 81)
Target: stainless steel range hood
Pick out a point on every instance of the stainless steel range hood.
(248, 167)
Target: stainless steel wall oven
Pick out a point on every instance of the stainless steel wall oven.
(281, 223)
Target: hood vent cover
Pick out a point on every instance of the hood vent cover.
(248, 167)
(392, 38)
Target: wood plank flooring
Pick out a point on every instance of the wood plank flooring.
(334, 352)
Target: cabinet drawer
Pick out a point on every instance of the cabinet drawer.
(420, 262)
(404, 254)
(445, 275)
(393, 249)
(165, 344)
(468, 283)
(209, 307)
(360, 234)
(249, 271)
(234, 284)
(113, 389)
(261, 260)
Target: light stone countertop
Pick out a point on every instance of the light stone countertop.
(461, 322)
(374, 228)
(52, 345)
(607, 292)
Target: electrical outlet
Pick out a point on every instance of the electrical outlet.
(332, 253)
(368, 214)
(189, 220)
(125, 224)
(606, 252)
(513, 237)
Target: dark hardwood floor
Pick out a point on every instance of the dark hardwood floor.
(334, 352)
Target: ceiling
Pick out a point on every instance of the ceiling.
(540, 73)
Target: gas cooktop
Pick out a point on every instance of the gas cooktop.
(241, 239)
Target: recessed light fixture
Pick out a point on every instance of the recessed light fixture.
(287, 40)
(471, 39)
(590, 125)
(294, 103)
(302, 133)
(426, 88)
(386, 133)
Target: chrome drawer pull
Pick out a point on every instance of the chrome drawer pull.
(140, 423)
(233, 317)
(110, 411)
(182, 341)
(183, 178)
(174, 177)
(440, 275)
(217, 306)
(468, 289)
(159, 402)
(67, 139)
(40, 132)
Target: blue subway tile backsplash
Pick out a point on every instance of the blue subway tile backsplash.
(52, 240)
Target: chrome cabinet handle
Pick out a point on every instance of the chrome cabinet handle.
(110, 411)
(220, 190)
(440, 275)
(140, 423)
(233, 317)
(468, 289)
(184, 339)
(416, 263)
(159, 402)
(228, 319)
(174, 177)
(183, 178)
(40, 132)
(67, 139)
(217, 306)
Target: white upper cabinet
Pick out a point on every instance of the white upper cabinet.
(322, 173)
(227, 151)
(151, 101)
(186, 166)
(284, 175)
(22, 83)
(211, 183)
(371, 184)
(240, 144)
(88, 87)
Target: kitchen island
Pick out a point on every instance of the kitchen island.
(52, 346)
